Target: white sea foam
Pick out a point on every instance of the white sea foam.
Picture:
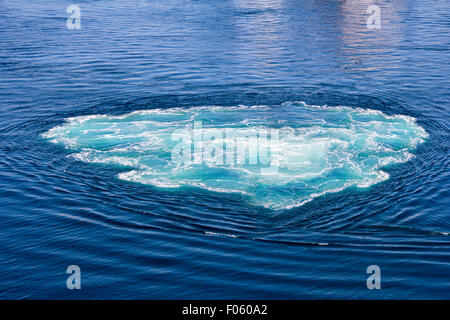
(320, 149)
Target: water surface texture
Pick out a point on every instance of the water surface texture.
(87, 122)
(319, 150)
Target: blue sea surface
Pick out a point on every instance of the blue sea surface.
(87, 118)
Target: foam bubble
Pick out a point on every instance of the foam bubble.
(319, 149)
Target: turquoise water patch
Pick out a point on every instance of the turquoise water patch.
(279, 157)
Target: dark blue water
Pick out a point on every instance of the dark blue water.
(137, 241)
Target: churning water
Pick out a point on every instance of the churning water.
(318, 151)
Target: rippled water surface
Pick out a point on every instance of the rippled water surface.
(86, 125)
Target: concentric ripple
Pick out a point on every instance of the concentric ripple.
(309, 150)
